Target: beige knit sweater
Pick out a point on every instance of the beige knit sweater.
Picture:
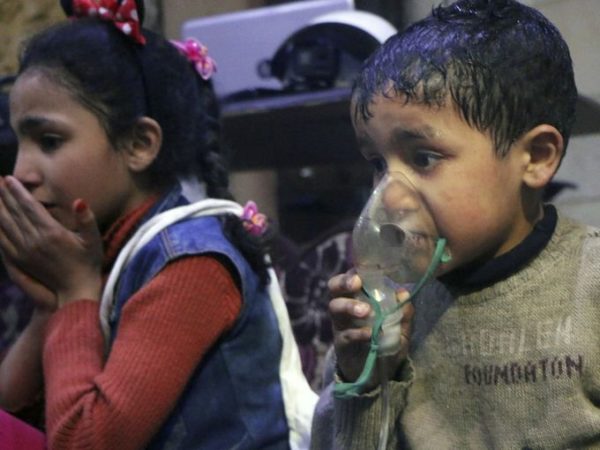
(513, 366)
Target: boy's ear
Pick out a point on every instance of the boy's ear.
(144, 144)
(543, 146)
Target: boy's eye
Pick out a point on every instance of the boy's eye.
(49, 142)
(424, 159)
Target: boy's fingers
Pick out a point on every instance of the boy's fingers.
(408, 312)
(352, 346)
(402, 295)
(353, 336)
(348, 313)
(344, 284)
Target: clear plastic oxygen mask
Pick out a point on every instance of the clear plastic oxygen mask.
(396, 249)
(394, 243)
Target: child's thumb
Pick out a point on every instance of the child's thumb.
(86, 225)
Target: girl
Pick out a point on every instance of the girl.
(110, 119)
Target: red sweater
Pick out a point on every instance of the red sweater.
(165, 330)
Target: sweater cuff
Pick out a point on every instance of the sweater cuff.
(71, 311)
(404, 373)
(358, 419)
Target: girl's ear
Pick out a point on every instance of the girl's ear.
(544, 147)
(144, 144)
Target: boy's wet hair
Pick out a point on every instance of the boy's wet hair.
(120, 81)
(504, 65)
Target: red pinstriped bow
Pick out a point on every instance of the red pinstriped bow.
(124, 15)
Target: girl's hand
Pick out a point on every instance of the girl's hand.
(64, 262)
(43, 298)
(352, 320)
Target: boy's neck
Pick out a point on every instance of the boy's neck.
(487, 273)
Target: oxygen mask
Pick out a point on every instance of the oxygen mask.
(396, 249)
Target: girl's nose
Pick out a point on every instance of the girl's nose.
(26, 171)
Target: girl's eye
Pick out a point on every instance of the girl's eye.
(49, 142)
(426, 160)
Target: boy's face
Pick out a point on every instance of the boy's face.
(473, 196)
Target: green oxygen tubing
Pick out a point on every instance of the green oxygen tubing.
(356, 388)
(349, 390)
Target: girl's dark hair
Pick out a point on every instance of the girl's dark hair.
(503, 64)
(121, 81)
(8, 139)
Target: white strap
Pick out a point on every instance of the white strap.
(145, 233)
(299, 399)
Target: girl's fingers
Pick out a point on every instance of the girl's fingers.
(13, 217)
(7, 246)
(10, 233)
(22, 217)
(41, 295)
(86, 225)
(30, 208)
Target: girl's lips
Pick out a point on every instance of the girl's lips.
(49, 206)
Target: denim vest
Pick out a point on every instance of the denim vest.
(234, 398)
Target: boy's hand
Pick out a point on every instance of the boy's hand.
(352, 320)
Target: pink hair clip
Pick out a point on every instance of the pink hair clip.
(124, 15)
(255, 223)
(197, 54)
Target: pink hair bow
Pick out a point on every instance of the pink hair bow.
(124, 15)
(255, 223)
(197, 54)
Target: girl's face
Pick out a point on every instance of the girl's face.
(64, 153)
(474, 197)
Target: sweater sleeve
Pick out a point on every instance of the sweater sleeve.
(355, 423)
(165, 330)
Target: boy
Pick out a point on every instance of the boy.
(475, 104)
